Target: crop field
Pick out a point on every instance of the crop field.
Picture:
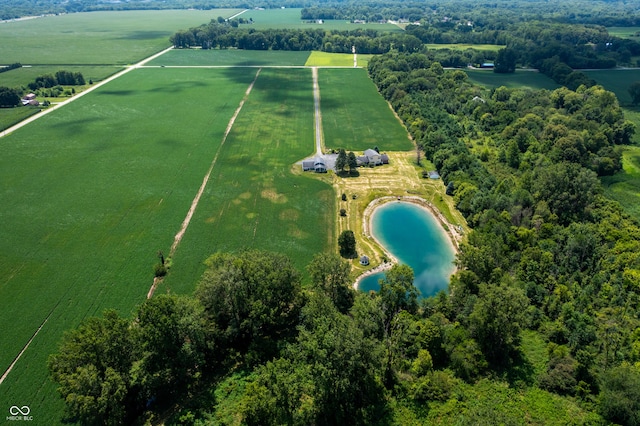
(290, 18)
(25, 75)
(624, 32)
(624, 187)
(355, 116)
(252, 199)
(90, 193)
(616, 81)
(231, 57)
(520, 79)
(98, 38)
(11, 116)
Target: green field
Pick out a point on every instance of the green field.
(98, 38)
(616, 81)
(25, 75)
(624, 32)
(624, 187)
(231, 57)
(355, 116)
(11, 116)
(520, 79)
(290, 18)
(325, 59)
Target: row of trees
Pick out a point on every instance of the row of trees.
(225, 35)
(66, 78)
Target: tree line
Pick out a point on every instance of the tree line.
(216, 35)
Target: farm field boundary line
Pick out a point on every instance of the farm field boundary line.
(79, 95)
(196, 200)
(24, 349)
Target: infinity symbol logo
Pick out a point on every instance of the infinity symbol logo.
(24, 410)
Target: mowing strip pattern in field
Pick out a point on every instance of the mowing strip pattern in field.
(90, 193)
(253, 199)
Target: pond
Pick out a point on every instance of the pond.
(414, 236)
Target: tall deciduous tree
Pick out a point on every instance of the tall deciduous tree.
(330, 275)
(496, 321)
(9, 97)
(254, 299)
(92, 368)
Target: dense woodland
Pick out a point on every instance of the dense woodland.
(549, 273)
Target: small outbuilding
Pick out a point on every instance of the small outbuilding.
(434, 174)
(384, 158)
(364, 260)
(307, 165)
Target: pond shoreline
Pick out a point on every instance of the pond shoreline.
(453, 235)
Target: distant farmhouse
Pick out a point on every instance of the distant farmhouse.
(30, 99)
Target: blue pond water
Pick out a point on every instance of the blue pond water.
(415, 237)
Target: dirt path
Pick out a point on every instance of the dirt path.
(317, 112)
(196, 200)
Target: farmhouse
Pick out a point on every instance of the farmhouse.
(317, 165)
(30, 99)
(372, 158)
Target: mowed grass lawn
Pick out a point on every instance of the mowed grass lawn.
(89, 194)
(354, 115)
(97, 37)
(253, 200)
(520, 79)
(230, 57)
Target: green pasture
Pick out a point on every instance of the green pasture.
(464, 46)
(290, 18)
(11, 116)
(624, 32)
(230, 57)
(520, 79)
(355, 116)
(624, 187)
(252, 199)
(98, 38)
(25, 75)
(89, 194)
(616, 81)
